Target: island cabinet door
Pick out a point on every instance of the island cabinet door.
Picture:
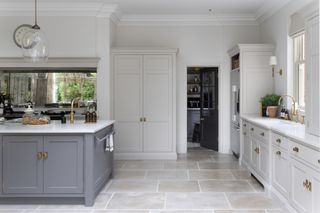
(63, 164)
(22, 164)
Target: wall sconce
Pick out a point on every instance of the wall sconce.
(273, 63)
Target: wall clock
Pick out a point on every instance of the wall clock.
(19, 33)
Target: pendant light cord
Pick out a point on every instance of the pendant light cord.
(35, 13)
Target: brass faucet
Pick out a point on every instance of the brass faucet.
(293, 110)
(72, 112)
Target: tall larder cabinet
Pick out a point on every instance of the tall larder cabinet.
(144, 103)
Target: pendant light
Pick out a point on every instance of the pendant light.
(34, 43)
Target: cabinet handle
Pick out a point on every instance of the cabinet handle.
(278, 153)
(318, 161)
(262, 134)
(39, 155)
(252, 129)
(257, 150)
(141, 119)
(295, 149)
(278, 140)
(244, 125)
(246, 134)
(305, 183)
(45, 155)
(309, 187)
(144, 119)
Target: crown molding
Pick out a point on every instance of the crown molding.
(268, 9)
(96, 9)
(204, 20)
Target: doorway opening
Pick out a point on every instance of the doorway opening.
(202, 107)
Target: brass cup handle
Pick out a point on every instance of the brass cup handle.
(39, 155)
(278, 140)
(257, 150)
(307, 184)
(295, 149)
(45, 155)
(278, 153)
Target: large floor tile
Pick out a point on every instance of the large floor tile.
(56, 211)
(210, 174)
(251, 201)
(121, 211)
(129, 175)
(219, 165)
(133, 186)
(182, 211)
(100, 203)
(242, 174)
(138, 165)
(225, 186)
(240, 211)
(256, 185)
(180, 165)
(5, 207)
(137, 201)
(196, 200)
(11, 211)
(167, 174)
(179, 186)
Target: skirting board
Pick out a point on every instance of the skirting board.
(145, 156)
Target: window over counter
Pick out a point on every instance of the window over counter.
(299, 69)
(50, 89)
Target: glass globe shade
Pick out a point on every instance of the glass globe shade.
(35, 45)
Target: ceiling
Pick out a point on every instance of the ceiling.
(181, 7)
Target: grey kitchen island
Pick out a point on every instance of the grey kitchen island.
(55, 163)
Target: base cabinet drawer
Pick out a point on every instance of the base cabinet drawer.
(281, 179)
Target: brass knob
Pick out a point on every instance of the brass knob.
(278, 140)
(257, 150)
(278, 153)
(295, 149)
(309, 186)
(305, 183)
(262, 134)
(39, 155)
(45, 155)
(144, 119)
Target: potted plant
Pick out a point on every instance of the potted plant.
(270, 104)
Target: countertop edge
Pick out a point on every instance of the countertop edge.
(295, 139)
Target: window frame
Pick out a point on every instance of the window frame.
(297, 61)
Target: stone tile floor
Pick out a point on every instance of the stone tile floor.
(202, 181)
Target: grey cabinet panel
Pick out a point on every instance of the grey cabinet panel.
(102, 159)
(63, 168)
(22, 170)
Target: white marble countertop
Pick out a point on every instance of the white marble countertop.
(294, 131)
(55, 127)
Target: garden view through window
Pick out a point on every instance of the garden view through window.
(48, 89)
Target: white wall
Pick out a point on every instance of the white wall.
(275, 31)
(69, 37)
(198, 46)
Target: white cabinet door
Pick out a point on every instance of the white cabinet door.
(127, 102)
(254, 153)
(157, 103)
(300, 195)
(315, 193)
(313, 77)
(263, 162)
(281, 178)
(246, 147)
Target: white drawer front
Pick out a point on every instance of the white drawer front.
(259, 133)
(280, 141)
(306, 154)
